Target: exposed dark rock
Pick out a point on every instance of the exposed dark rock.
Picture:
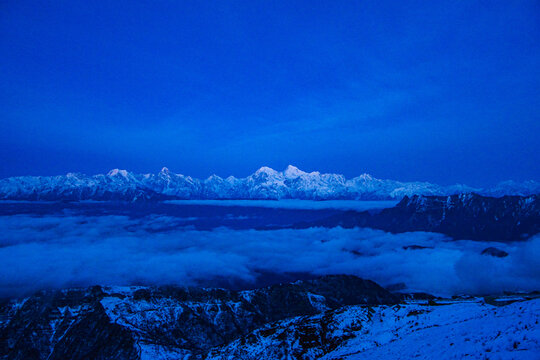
(416, 247)
(464, 216)
(312, 336)
(93, 336)
(108, 323)
(493, 251)
(396, 287)
(415, 296)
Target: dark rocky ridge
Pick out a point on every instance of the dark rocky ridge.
(463, 216)
(113, 323)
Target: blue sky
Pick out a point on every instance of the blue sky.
(443, 91)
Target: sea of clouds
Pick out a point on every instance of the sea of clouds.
(42, 252)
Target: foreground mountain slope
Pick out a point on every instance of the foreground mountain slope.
(454, 330)
(334, 317)
(265, 183)
(115, 323)
(464, 216)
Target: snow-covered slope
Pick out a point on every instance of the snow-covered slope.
(336, 317)
(265, 183)
(454, 330)
(164, 322)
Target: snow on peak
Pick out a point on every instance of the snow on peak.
(118, 172)
(266, 170)
(293, 172)
(265, 183)
(214, 177)
(366, 177)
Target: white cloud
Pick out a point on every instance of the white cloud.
(63, 251)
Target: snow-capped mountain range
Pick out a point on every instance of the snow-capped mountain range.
(265, 183)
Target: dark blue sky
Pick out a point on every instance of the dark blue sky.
(443, 91)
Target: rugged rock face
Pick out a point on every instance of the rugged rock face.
(265, 183)
(127, 323)
(333, 317)
(60, 325)
(464, 216)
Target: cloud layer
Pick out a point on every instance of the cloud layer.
(66, 251)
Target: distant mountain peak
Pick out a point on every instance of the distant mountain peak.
(293, 172)
(118, 172)
(366, 177)
(266, 170)
(265, 183)
(214, 177)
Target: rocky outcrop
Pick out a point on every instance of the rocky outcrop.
(464, 216)
(123, 322)
(493, 251)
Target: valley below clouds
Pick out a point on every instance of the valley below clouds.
(70, 249)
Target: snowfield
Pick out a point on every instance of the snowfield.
(455, 330)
